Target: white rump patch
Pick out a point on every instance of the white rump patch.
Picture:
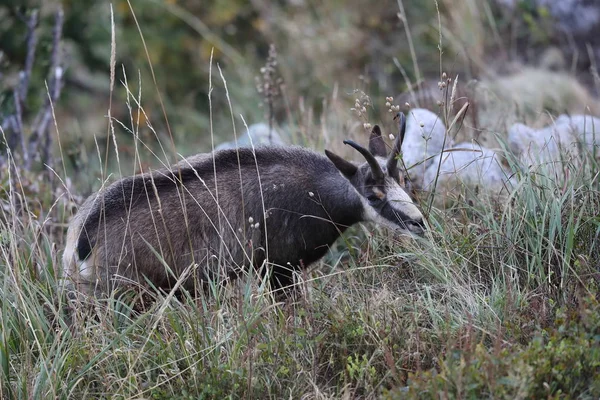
(86, 271)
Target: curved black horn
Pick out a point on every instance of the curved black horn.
(375, 168)
(392, 163)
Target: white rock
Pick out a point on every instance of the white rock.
(467, 164)
(424, 138)
(584, 127)
(519, 138)
(545, 148)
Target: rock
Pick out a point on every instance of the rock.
(527, 96)
(585, 128)
(546, 142)
(557, 148)
(545, 148)
(259, 133)
(467, 164)
(422, 143)
(519, 138)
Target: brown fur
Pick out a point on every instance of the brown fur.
(286, 205)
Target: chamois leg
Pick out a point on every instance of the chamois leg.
(282, 280)
(282, 283)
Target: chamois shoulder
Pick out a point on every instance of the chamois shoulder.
(264, 156)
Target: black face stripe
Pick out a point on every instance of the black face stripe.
(420, 224)
(396, 216)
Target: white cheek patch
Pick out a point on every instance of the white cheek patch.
(397, 196)
(401, 201)
(397, 199)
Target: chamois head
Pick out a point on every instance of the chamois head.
(377, 181)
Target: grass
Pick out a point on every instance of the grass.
(499, 300)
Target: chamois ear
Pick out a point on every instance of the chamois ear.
(401, 132)
(392, 164)
(376, 143)
(345, 167)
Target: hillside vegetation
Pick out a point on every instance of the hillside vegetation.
(499, 299)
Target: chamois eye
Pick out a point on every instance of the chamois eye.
(373, 199)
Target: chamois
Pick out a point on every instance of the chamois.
(214, 215)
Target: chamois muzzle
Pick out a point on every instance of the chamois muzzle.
(416, 227)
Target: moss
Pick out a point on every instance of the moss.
(560, 362)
